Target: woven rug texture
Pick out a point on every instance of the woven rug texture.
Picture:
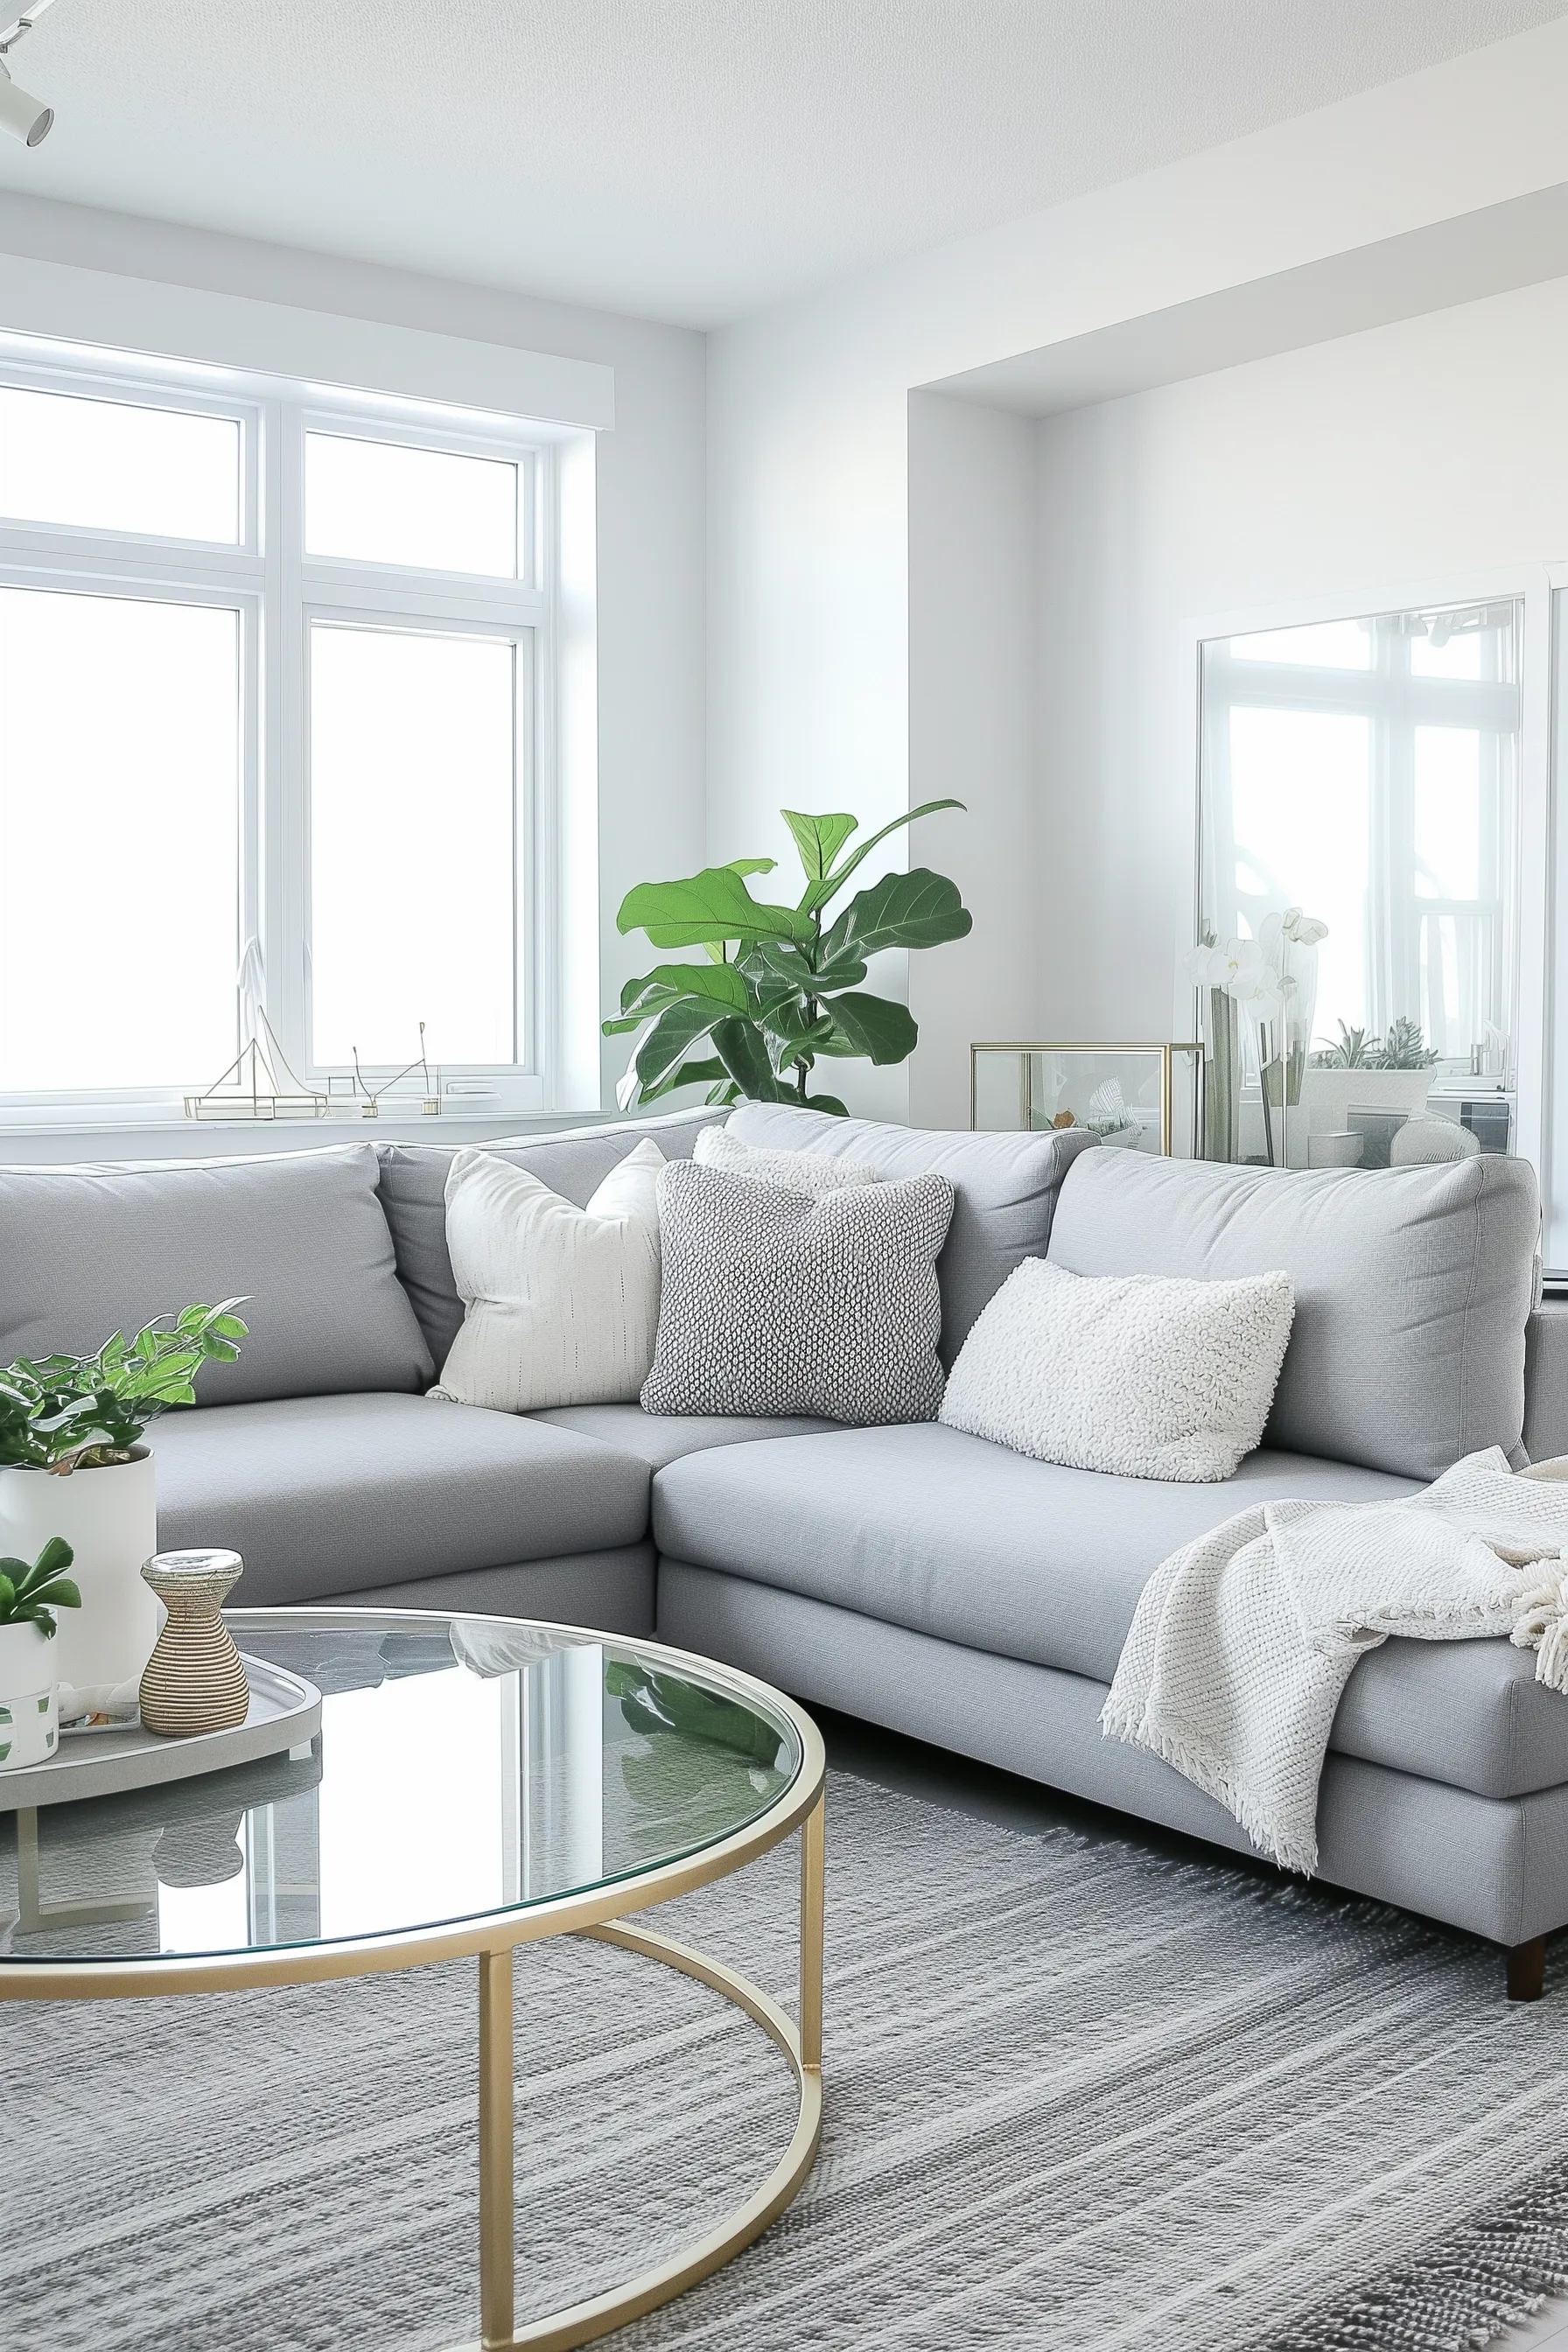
(1079, 2096)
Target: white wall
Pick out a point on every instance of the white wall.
(810, 619)
(1420, 455)
(973, 664)
(651, 588)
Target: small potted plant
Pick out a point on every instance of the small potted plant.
(72, 1463)
(29, 1595)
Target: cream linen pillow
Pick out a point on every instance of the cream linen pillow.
(805, 1172)
(560, 1304)
(1147, 1376)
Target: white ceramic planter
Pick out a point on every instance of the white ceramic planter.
(29, 1709)
(110, 1518)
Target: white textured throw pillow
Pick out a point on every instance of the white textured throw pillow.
(1141, 1375)
(560, 1304)
(806, 1171)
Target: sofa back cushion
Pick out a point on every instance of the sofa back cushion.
(1004, 1191)
(573, 1163)
(1413, 1288)
(88, 1251)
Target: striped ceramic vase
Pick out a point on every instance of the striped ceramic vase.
(194, 1679)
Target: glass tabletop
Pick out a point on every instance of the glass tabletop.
(465, 1766)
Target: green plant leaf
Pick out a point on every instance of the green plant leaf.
(63, 1593)
(677, 1029)
(712, 905)
(752, 865)
(828, 1103)
(818, 839)
(7, 1600)
(874, 1026)
(916, 909)
(744, 1056)
(700, 1072)
(831, 884)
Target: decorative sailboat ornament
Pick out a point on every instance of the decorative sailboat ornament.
(250, 1088)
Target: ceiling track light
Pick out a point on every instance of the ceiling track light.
(25, 118)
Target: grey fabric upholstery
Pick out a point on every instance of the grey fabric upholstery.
(85, 1252)
(1470, 1713)
(342, 1495)
(657, 1438)
(927, 1528)
(777, 1301)
(573, 1163)
(1496, 1868)
(1412, 1287)
(610, 1591)
(1546, 1382)
(1004, 1191)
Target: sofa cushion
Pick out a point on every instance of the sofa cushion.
(779, 1301)
(1003, 1186)
(573, 1163)
(301, 1236)
(1413, 1288)
(927, 1527)
(334, 1495)
(657, 1438)
(943, 1534)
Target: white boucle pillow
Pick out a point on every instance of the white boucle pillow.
(1145, 1376)
(805, 1172)
(560, 1304)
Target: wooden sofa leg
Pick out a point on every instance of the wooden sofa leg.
(1527, 1970)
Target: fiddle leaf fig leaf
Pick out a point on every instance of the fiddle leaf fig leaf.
(916, 909)
(875, 1026)
(712, 905)
(831, 884)
(819, 839)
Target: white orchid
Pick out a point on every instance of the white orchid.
(1305, 930)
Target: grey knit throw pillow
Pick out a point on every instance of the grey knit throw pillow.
(774, 1302)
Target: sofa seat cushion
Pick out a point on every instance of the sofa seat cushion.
(927, 1527)
(334, 1495)
(657, 1438)
(942, 1533)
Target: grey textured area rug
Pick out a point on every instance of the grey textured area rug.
(1079, 2096)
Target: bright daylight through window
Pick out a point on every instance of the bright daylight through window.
(1367, 772)
(270, 679)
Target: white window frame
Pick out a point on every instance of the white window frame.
(279, 592)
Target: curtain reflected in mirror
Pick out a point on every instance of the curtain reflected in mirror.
(1357, 884)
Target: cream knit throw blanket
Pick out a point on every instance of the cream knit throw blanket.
(1244, 1640)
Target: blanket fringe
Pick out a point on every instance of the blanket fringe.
(1542, 1625)
(1121, 1720)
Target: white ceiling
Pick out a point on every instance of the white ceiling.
(685, 159)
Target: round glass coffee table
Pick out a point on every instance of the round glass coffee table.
(477, 1783)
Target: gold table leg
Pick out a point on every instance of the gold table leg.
(496, 2119)
(801, 2045)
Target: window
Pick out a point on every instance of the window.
(1368, 772)
(274, 671)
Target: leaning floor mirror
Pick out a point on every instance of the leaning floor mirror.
(1358, 830)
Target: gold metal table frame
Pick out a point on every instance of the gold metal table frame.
(596, 1912)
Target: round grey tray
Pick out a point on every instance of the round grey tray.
(285, 1712)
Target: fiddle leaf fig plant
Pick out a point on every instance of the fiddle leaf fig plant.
(780, 987)
(30, 1593)
(62, 1413)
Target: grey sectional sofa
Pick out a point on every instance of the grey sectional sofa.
(914, 1576)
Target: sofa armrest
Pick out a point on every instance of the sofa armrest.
(1546, 1380)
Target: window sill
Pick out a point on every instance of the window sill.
(37, 1142)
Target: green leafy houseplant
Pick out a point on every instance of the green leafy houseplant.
(780, 985)
(31, 1594)
(1403, 1047)
(62, 1413)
